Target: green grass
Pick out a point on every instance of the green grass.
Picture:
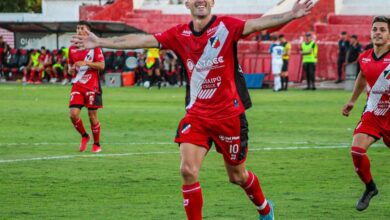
(307, 183)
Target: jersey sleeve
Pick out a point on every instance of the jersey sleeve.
(167, 39)
(98, 56)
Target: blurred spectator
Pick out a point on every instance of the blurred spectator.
(169, 70)
(140, 71)
(309, 50)
(263, 36)
(276, 50)
(44, 66)
(4, 53)
(286, 57)
(153, 67)
(32, 63)
(353, 53)
(343, 48)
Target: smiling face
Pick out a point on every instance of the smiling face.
(81, 30)
(200, 8)
(380, 33)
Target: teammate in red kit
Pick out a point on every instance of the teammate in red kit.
(375, 121)
(85, 65)
(216, 94)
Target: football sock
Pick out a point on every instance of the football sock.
(286, 83)
(40, 75)
(96, 133)
(193, 201)
(283, 81)
(362, 164)
(78, 124)
(32, 75)
(255, 194)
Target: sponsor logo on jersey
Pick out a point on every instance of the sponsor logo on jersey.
(186, 33)
(206, 65)
(386, 60)
(209, 87)
(215, 43)
(186, 129)
(366, 60)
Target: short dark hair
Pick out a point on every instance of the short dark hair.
(382, 19)
(86, 23)
(354, 36)
(43, 48)
(344, 33)
(281, 36)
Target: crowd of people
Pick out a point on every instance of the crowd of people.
(36, 66)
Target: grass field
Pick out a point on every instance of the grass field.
(299, 148)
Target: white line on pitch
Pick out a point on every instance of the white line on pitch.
(161, 143)
(162, 152)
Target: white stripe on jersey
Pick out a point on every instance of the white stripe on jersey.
(209, 54)
(377, 91)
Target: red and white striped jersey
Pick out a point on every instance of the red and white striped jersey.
(376, 70)
(216, 85)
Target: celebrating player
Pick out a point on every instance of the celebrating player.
(374, 123)
(85, 65)
(216, 95)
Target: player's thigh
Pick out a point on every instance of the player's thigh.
(76, 99)
(191, 158)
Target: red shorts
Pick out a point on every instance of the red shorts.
(375, 126)
(229, 135)
(80, 96)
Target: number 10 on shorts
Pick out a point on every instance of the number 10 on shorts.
(233, 150)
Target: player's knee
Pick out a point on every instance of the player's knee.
(189, 172)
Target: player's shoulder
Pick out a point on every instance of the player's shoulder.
(229, 19)
(366, 54)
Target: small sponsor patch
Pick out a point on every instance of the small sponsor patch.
(186, 129)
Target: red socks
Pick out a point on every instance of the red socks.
(362, 164)
(254, 192)
(193, 201)
(78, 124)
(96, 133)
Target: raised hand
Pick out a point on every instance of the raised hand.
(85, 42)
(301, 9)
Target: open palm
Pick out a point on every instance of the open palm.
(301, 9)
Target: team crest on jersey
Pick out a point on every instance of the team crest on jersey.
(387, 74)
(215, 43)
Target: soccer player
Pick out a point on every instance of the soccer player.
(286, 57)
(216, 95)
(277, 51)
(374, 123)
(85, 65)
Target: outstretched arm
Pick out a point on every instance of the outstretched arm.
(360, 84)
(299, 10)
(130, 41)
